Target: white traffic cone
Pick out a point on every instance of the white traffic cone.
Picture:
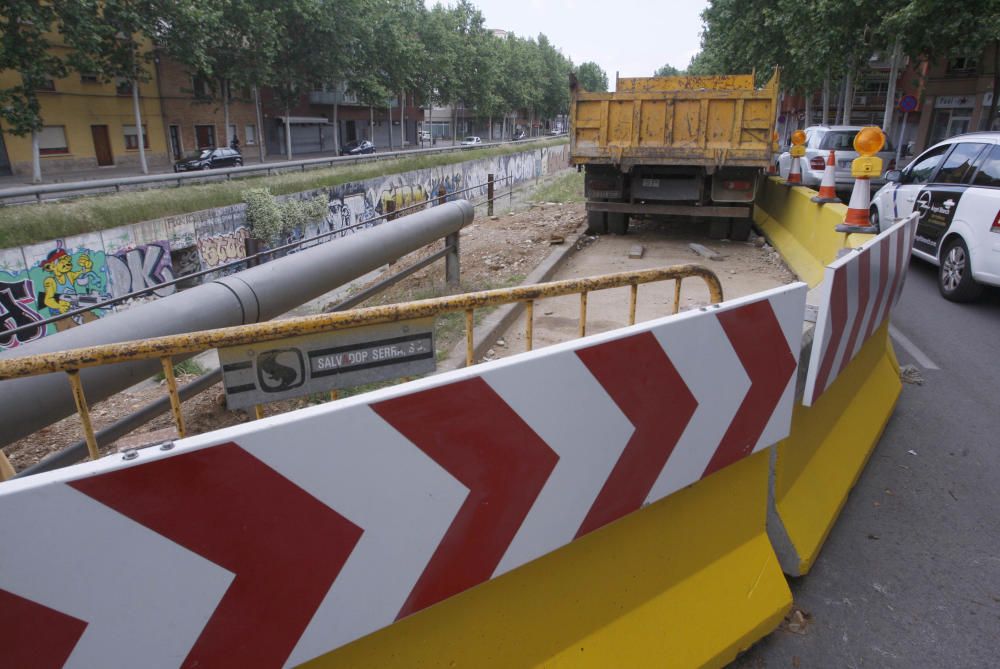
(827, 188)
(857, 211)
(794, 172)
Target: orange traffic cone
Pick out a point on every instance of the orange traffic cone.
(857, 211)
(827, 187)
(794, 172)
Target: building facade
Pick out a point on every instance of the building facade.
(956, 99)
(87, 124)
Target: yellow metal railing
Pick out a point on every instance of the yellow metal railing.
(166, 348)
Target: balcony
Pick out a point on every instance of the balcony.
(343, 98)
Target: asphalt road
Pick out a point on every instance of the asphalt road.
(910, 575)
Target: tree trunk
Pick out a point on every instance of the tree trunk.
(402, 120)
(138, 127)
(848, 95)
(336, 128)
(838, 112)
(36, 160)
(260, 125)
(807, 97)
(890, 95)
(992, 115)
(371, 124)
(388, 111)
(490, 120)
(454, 124)
(225, 110)
(826, 98)
(288, 133)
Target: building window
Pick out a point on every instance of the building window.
(200, 86)
(123, 86)
(88, 78)
(962, 65)
(46, 85)
(204, 136)
(251, 135)
(52, 140)
(132, 138)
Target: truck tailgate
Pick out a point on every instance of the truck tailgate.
(675, 121)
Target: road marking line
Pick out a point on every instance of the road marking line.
(912, 349)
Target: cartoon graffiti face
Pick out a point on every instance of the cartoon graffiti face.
(58, 266)
(85, 262)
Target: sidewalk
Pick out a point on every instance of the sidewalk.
(250, 157)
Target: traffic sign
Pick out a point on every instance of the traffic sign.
(907, 103)
(286, 368)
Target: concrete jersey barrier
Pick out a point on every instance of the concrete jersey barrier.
(272, 543)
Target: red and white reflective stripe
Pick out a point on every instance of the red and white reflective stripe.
(271, 543)
(857, 295)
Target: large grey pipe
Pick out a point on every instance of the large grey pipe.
(250, 296)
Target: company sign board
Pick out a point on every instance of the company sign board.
(287, 368)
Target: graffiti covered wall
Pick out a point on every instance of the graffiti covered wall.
(43, 280)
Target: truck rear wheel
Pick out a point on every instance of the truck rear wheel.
(597, 223)
(617, 223)
(718, 228)
(739, 229)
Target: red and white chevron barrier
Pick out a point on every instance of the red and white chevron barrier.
(858, 293)
(271, 543)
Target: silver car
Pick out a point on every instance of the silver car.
(819, 140)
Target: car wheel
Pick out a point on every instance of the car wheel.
(239, 162)
(206, 167)
(955, 273)
(873, 218)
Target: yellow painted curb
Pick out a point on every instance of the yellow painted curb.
(686, 582)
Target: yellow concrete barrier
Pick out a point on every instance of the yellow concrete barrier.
(814, 469)
(801, 230)
(688, 581)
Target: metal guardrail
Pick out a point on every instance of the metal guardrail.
(165, 348)
(82, 187)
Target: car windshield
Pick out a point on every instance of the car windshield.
(843, 140)
(471, 139)
(205, 153)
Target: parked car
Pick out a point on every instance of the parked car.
(519, 134)
(210, 159)
(470, 140)
(424, 136)
(357, 147)
(819, 140)
(955, 187)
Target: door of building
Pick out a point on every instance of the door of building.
(102, 145)
(352, 132)
(175, 142)
(205, 136)
(4, 160)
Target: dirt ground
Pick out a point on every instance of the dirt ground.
(495, 251)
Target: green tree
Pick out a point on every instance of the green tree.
(668, 71)
(591, 77)
(26, 27)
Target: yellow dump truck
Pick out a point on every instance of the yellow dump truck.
(674, 146)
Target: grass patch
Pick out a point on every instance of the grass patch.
(32, 223)
(567, 188)
(189, 366)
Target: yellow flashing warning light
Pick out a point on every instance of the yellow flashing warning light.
(798, 137)
(869, 140)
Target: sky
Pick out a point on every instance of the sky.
(632, 37)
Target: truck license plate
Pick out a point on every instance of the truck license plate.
(650, 183)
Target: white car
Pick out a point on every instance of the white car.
(819, 140)
(955, 186)
(469, 141)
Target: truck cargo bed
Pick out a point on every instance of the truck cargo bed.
(706, 121)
